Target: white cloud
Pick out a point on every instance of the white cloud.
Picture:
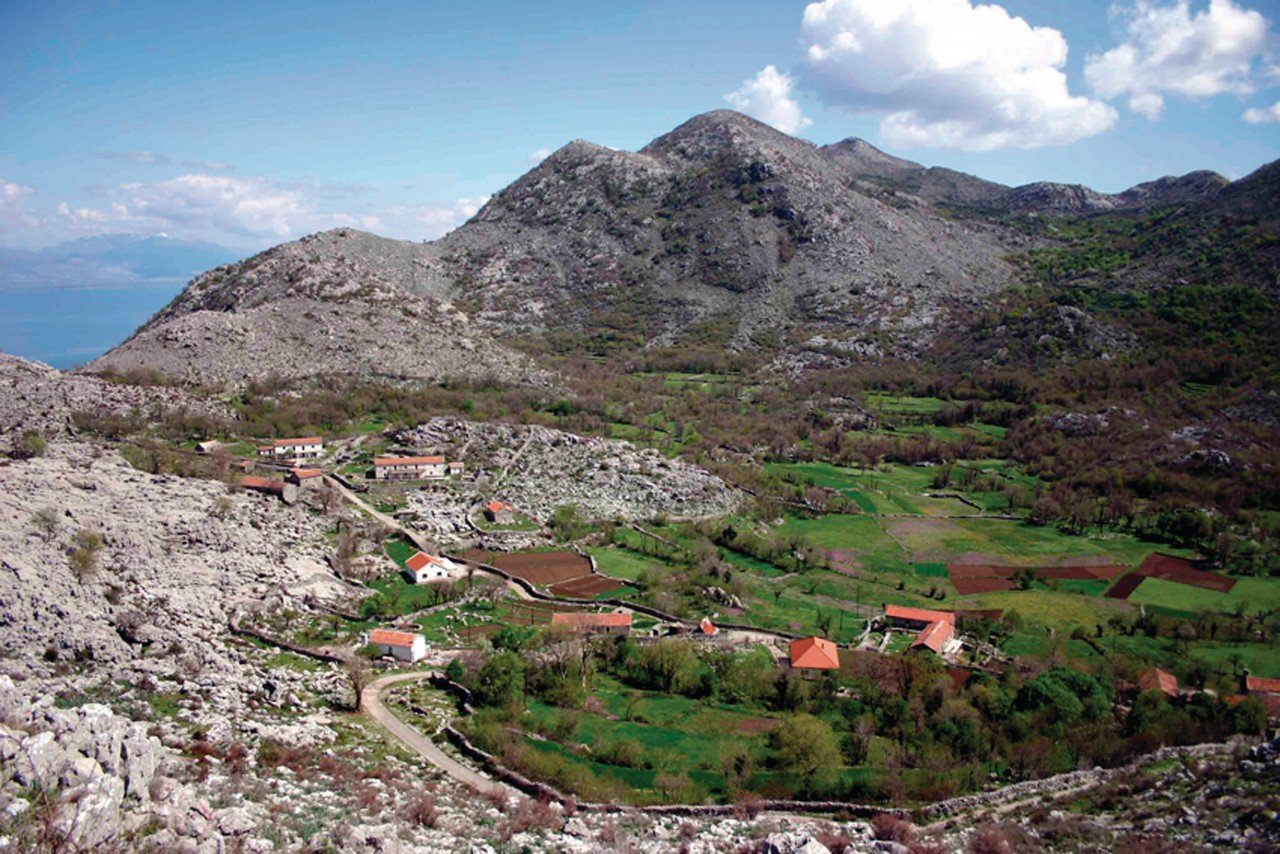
(152, 158)
(1263, 115)
(13, 210)
(536, 157)
(767, 97)
(1147, 104)
(1168, 49)
(428, 222)
(948, 74)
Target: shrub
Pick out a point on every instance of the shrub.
(892, 828)
(421, 810)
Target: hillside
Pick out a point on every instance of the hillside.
(723, 233)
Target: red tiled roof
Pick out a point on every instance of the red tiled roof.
(289, 443)
(919, 615)
(1260, 685)
(406, 461)
(497, 506)
(261, 483)
(815, 654)
(935, 636)
(390, 637)
(707, 627)
(591, 621)
(421, 559)
(1156, 679)
(306, 474)
(266, 449)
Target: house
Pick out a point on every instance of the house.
(814, 654)
(208, 446)
(421, 568)
(593, 624)
(293, 449)
(409, 468)
(404, 646)
(936, 629)
(706, 628)
(1156, 679)
(456, 469)
(262, 484)
(1259, 685)
(304, 477)
(500, 513)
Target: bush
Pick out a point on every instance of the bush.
(31, 444)
(421, 810)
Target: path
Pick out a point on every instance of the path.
(414, 537)
(371, 704)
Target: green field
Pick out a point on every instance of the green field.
(1254, 595)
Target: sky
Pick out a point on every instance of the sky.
(247, 123)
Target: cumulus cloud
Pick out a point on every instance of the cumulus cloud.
(1170, 50)
(13, 210)
(1263, 115)
(767, 97)
(948, 74)
(427, 222)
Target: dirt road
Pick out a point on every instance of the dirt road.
(371, 704)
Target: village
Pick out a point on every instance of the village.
(516, 587)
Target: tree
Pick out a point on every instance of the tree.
(500, 682)
(84, 559)
(455, 671)
(357, 672)
(807, 747)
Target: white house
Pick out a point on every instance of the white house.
(404, 646)
(293, 449)
(409, 468)
(421, 568)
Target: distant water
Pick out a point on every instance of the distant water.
(65, 327)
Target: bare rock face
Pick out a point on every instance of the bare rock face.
(34, 396)
(338, 303)
(537, 469)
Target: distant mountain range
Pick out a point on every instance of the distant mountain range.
(726, 233)
(110, 261)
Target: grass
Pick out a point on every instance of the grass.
(1255, 595)
(1054, 609)
(400, 550)
(624, 563)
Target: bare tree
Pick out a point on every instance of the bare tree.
(357, 672)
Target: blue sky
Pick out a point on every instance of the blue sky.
(251, 123)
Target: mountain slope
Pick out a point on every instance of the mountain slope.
(722, 233)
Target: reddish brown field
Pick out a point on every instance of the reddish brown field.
(1124, 588)
(968, 586)
(540, 568)
(586, 588)
(985, 578)
(1181, 570)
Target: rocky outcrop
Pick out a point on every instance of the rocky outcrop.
(537, 469)
(34, 396)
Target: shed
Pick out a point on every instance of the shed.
(403, 646)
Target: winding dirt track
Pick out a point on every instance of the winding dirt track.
(371, 704)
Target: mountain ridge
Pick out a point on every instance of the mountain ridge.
(721, 233)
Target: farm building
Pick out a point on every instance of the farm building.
(294, 449)
(937, 629)
(593, 624)
(304, 477)
(405, 646)
(287, 492)
(456, 468)
(500, 513)
(208, 446)
(421, 568)
(814, 654)
(409, 468)
(706, 628)
(1156, 679)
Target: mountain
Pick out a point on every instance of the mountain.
(722, 233)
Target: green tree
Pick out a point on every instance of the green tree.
(808, 748)
(500, 682)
